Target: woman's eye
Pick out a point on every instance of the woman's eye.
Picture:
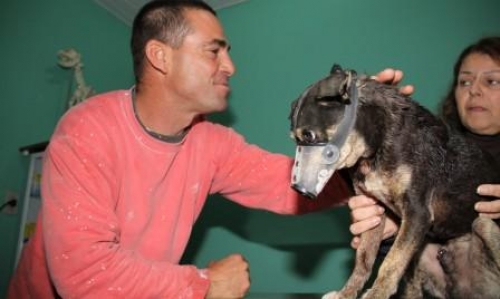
(494, 82)
(464, 82)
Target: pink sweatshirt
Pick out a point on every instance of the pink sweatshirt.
(119, 205)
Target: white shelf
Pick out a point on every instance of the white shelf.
(32, 202)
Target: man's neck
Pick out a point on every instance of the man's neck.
(160, 116)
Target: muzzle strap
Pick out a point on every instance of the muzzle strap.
(331, 152)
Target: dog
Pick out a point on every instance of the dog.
(425, 173)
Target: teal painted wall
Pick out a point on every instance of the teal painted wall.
(279, 47)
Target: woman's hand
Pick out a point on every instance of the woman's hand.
(393, 77)
(490, 209)
(366, 214)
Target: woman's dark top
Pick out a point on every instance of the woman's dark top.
(488, 143)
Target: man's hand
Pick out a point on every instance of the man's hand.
(365, 214)
(393, 77)
(490, 209)
(229, 277)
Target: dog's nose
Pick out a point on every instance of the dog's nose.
(302, 190)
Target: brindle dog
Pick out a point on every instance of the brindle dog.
(425, 173)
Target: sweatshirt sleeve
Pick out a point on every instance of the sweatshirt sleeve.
(259, 179)
(82, 232)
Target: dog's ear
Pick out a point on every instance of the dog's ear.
(329, 87)
(336, 69)
(335, 86)
(346, 88)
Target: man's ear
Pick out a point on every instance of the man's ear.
(158, 55)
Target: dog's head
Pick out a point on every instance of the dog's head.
(322, 121)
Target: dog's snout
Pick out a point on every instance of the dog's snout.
(303, 191)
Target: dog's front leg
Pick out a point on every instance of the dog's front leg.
(414, 225)
(488, 232)
(424, 275)
(484, 256)
(365, 258)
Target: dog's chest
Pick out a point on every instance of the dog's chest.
(384, 185)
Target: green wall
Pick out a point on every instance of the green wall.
(279, 47)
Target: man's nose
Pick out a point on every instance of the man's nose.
(227, 65)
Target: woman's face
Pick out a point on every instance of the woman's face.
(478, 94)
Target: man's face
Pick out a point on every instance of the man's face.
(201, 67)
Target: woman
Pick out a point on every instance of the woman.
(472, 106)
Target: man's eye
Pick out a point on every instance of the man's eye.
(215, 51)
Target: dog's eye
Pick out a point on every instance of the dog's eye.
(330, 100)
(441, 255)
(308, 136)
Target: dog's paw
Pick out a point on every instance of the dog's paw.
(374, 294)
(366, 295)
(332, 295)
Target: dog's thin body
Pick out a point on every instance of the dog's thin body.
(416, 166)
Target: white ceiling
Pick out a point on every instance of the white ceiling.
(125, 10)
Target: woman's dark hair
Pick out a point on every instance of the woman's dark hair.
(488, 46)
(162, 20)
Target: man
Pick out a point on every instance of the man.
(127, 173)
